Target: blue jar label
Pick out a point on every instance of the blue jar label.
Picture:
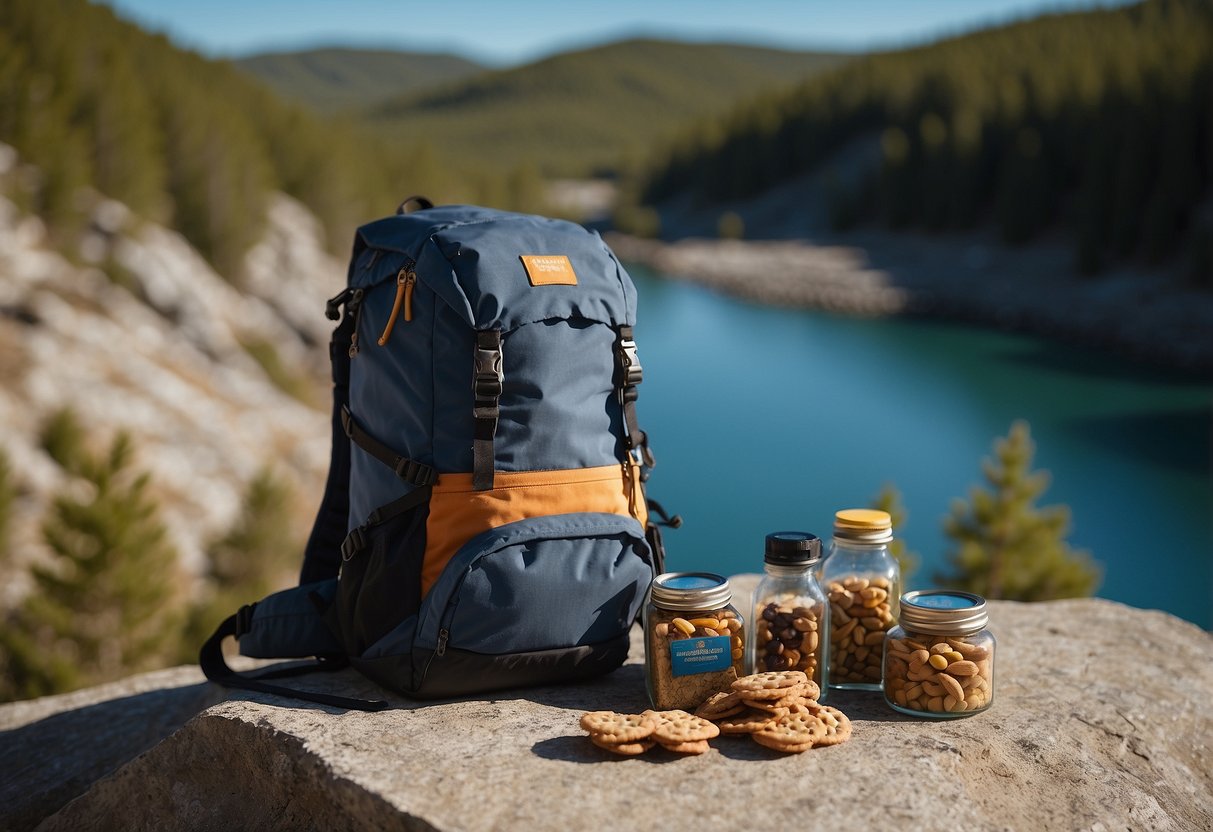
(700, 655)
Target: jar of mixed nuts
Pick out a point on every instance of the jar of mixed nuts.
(939, 662)
(694, 639)
(788, 627)
(862, 581)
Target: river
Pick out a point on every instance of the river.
(765, 418)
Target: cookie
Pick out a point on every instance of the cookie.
(695, 747)
(628, 749)
(680, 727)
(616, 728)
(769, 685)
(719, 705)
(746, 723)
(791, 731)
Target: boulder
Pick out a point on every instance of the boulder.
(1102, 720)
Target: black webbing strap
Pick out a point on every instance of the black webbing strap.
(487, 382)
(409, 470)
(356, 540)
(628, 376)
(210, 658)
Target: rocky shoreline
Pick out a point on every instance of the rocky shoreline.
(1152, 318)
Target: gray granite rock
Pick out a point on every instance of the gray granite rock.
(1102, 720)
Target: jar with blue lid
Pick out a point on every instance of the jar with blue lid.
(694, 639)
(939, 659)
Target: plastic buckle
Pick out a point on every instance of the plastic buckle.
(414, 472)
(244, 619)
(629, 363)
(488, 379)
(353, 543)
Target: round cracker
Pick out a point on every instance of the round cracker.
(627, 749)
(615, 727)
(680, 727)
(787, 748)
(837, 725)
(693, 747)
(719, 705)
(793, 729)
(763, 685)
(767, 706)
(746, 723)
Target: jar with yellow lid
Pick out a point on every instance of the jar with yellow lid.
(863, 582)
(939, 661)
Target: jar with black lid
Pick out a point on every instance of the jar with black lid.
(939, 660)
(789, 624)
(694, 639)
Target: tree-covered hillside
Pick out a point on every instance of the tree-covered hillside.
(346, 80)
(593, 109)
(93, 102)
(1099, 123)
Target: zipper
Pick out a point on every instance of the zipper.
(406, 279)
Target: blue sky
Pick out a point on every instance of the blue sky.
(514, 31)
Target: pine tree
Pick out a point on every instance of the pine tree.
(1007, 547)
(104, 606)
(889, 500)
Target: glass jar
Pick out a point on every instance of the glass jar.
(694, 639)
(939, 661)
(789, 621)
(862, 581)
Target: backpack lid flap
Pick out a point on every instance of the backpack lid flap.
(501, 270)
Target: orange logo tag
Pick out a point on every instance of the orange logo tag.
(549, 270)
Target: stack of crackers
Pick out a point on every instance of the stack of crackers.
(778, 709)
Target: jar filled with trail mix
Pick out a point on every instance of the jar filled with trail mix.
(694, 639)
(939, 661)
(862, 581)
(788, 627)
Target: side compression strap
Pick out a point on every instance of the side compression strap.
(407, 469)
(356, 540)
(629, 375)
(211, 660)
(487, 382)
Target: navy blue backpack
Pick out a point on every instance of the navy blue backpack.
(484, 523)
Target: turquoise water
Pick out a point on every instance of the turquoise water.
(765, 419)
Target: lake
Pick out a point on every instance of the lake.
(765, 419)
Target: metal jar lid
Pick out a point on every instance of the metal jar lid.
(691, 591)
(943, 612)
(863, 525)
(792, 549)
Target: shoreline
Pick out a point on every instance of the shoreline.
(1151, 318)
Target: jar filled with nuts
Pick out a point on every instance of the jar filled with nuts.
(939, 662)
(862, 581)
(694, 639)
(788, 628)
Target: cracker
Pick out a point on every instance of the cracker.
(792, 730)
(837, 725)
(767, 706)
(769, 685)
(721, 704)
(614, 727)
(627, 749)
(695, 747)
(746, 723)
(787, 748)
(680, 727)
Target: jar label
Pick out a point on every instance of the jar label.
(700, 655)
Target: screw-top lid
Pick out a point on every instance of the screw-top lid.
(943, 612)
(863, 525)
(792, 549)
(691, 591)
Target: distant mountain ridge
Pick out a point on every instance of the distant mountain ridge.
(343, 80)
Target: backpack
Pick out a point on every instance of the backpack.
(484, 523)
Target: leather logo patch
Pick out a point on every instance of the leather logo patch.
(549, 270)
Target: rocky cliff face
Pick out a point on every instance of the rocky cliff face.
(137, 332)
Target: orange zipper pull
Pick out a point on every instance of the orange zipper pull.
(405, 280)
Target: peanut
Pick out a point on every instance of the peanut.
(942, 678)
(787, 637)
(685, 626)
(860, 614)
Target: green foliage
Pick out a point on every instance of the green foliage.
(62, 437)
(103, 606)
(589, 111)
(294, 384)
(730, 226)
(1007, 547)
(889, 500)
(346, 80)
(1096, 121)
(253, 558)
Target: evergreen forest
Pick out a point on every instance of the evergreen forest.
(1098, 124)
